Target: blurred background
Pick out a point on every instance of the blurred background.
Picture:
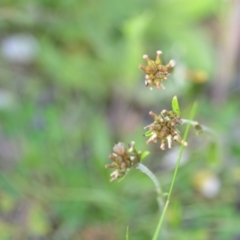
(70, 88)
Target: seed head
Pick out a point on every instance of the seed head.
(164, 129)
(124, 158)
(156, 71)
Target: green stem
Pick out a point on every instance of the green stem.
(160, 223)
(203, 127)
(127, 233)
(154, 179)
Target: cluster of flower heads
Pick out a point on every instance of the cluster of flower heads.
(164, 129)
(123, 157)
(156, 72)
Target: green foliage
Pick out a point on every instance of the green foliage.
(61, 113)
(213, 154)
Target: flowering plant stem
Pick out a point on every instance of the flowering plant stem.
(160, 223)
(154, 179)
(196, 124)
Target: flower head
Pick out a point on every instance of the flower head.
(164, 129)
(156, 72)
(124, 158)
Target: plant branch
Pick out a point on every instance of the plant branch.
(154, 179)
(160, 223)
(197, 124)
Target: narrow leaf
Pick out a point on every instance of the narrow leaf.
(148, 133)
(175, 105)
(144, 154)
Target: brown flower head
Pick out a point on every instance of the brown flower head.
(156, 72)
(164, 129)
(124, 158)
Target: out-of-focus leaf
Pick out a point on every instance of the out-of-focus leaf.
(133, 30)
(100, 131)
(38, 223)
(7, 202)
(6, 230)
(175, 214)
(213, 154)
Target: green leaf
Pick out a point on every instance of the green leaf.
(175, 105)
(144, 154)
(148, 133)
(213, 154)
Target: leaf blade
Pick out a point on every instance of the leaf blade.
(175, 105)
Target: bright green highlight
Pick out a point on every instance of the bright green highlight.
(175, 105)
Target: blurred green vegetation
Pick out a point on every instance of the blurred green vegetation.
(80, 91)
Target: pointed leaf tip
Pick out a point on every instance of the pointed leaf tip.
(175, 105)
(144, 154)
